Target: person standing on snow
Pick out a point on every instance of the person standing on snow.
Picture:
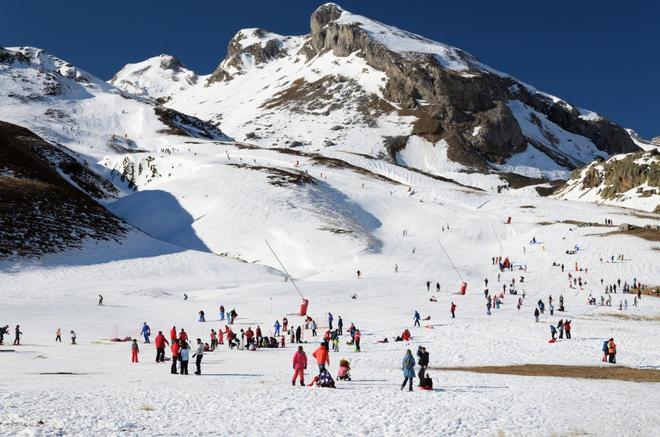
(340, 325)
(416, 318)
(160, 343)
(423, 361)
(567, 329)
(330, 319)
(199, 353)
(553, 332)
(428, 285)
(17, 335)
(356, 339)
(611, 351)
(184, 356)
(222, 312)
(100, 299)
(73, 337)
(176, 349)
(276, 326)
(408, 367)
(452, 309)
(173, 336)
(146, 332)
(58, 335)
(299, 366)
(298, 334)
(314, 327)
(536, 314)
(322, 356)
(135, 350)
(4, 330)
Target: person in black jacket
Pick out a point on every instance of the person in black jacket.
(423, 361)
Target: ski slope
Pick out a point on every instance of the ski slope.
(144, 280)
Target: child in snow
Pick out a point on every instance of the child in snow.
(344, 369)
(135, 350)
(73, 337)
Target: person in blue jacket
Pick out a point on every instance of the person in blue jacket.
(277, 328)
(416, 318)
(330, 319)
(146, 332)
(408, 367)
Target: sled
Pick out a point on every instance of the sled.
(552, 340)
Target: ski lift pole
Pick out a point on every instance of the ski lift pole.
(451, 262)
(498, 239)
(285, 271)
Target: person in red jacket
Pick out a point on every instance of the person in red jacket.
(160, 342)
(405, 335)
(249, 335)
(175, 354)
(183, 336)
(453, 310)
(173, 334)
(299, 366)
(356, 339)
(322, 357)
(135, 350)
(221, 336)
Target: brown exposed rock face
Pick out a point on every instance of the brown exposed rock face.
(457, 102)
(40, 212)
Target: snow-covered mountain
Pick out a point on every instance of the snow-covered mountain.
(359, 86)
(158, 77)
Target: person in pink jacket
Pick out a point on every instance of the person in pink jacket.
(299, 366)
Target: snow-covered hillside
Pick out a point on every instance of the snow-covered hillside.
(157, 77)
(354, 84)
(631, 180)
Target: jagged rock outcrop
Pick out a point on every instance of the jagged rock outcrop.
(459, 99)
(631, 180)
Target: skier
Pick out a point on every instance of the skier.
(58, 335)
(184, 356)
(199, 353)
(453, 310)
(160, 343)
(536, 314)
(322, 356)
(416, 318)
(330, 319)
(423, 361)
(299, 366)
(276, 326)
(340, 325)
(100, 299)
(17, 335)
(146, 332)
(408, 367)
(73, 337)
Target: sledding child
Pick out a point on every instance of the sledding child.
(344, 369)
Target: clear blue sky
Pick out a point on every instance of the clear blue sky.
(599, 54)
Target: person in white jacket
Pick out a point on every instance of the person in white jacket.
(199, 354)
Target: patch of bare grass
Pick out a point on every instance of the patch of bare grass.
(619, 373)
